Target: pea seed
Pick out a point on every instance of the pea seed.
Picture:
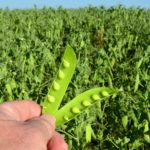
(51, 99)
(44, 107)
(56, 86)
(75, 110)
(61, 75)
(95, 97)
(66, 118)
(86, 103)
(66, 64)
(104, 93)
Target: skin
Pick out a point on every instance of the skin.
(22, 127)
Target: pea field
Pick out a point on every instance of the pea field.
(112, 46)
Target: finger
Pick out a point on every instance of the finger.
(42, 127)
(20, 110)
(57, 143)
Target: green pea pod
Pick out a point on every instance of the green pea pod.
(81, 102)
(59, 86)
(60, 83)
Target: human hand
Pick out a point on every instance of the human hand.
(22, 127)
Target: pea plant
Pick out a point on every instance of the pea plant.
(57, 90)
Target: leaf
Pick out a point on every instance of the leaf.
(88, 133)
(125, 121)
(137, 82)
(138, 64)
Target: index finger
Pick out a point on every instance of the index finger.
(20, 110)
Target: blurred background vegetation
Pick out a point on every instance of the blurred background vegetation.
(112, 46)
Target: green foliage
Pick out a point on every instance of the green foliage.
(112, 48)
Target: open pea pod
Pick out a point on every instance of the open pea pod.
(57, 90)
(81, 102)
